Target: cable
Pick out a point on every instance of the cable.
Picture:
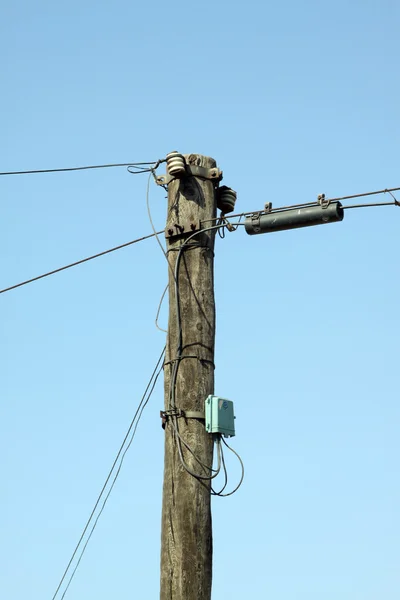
(78, 262)
(184, 246)
(152, 173)
(385, 191)
(369, 205)
(394, 198)
(240, 215)
(178, 358)
(113, 483)
(241, 478)
(143, 402)
(213, 492)
(175, 362)
(183, 462)
(159, 309)
(171, 402)
(328, 200)
(65, 169)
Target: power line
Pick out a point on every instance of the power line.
(84, 168)
(78, 262)
(240, 215)
(121, 453)
(372, 205)
(385, 191)
(326, 201)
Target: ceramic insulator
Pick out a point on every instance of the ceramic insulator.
(175, 164)
(226, 199)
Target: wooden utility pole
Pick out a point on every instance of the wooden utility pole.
(186, 541)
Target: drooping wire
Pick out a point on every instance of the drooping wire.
(137, 169)
(159, 309)
(76, 263)
(121, 453)
(213, 492)
(184, 463)
(113, 482)
(156, 234)
(226, 480)
(139, 165)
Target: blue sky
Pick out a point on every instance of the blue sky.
(292, 100)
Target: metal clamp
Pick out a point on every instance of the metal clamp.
(213, 174)
(322, 201)
(179, 412)
(255, 222)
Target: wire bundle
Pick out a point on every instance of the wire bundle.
(208, 473)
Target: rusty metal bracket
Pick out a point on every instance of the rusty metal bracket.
(213, 174)
(163, 179)
(322, 201)
(255, 221)
(182, 228)
(179, 412)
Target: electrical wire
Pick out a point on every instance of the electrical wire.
(394, 198)
(78, 262)
(368, 205)
(326, 201)
(242, 475)
(139, 165)
(385, 191)
(185, 465)
(121, 453)
(152, 174)
(178, 356)
(222, 223)
(156, 234)
(159, 309)
(183, 247)
(176, 361)
(213, 492)
(112, 484)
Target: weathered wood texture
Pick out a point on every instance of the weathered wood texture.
(186, 544)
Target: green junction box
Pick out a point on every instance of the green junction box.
(219, 416)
